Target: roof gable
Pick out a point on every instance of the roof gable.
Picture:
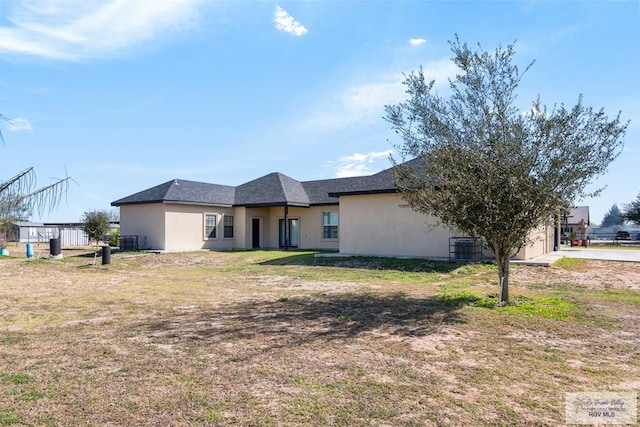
(274, 189)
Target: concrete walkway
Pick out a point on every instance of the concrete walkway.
(627, 255)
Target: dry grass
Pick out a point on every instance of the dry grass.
(271, 338)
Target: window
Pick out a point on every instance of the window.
(228, 226)
(329, 225)
(210, 221)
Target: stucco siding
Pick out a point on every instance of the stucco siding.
(379, 225)
(310, 223)
(262, 215)
(242, 230)
(312, 228)
(542, 242)
(185, 228)
(145, 221)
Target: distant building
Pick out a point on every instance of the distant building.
(34, 232)
(70, 234)
(571, 222)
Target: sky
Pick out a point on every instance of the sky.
(123, 95)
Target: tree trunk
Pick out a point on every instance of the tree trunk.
(503, 275)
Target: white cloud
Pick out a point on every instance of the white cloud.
(364, 102)
(358, 164)
(285, 22)
(417, 42)
(19, 124)
(533, 112)
(72, 30)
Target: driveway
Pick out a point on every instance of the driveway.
(628, 255)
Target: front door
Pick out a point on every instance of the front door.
(255, 233)
(291, 234)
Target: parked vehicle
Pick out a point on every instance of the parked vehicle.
(623, 235)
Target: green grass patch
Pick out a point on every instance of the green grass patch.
(476, 268)
(615, 295)
(9, 417)
(547, 307)
(17, 378)
(570, 263)
(458, 299)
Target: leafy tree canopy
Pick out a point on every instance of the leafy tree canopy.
(613, 217)
(96, 224)
(484, 167)
(631, 211)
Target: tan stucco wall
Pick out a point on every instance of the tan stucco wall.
(378, 225)
(178, 227)
(145, 221)
(256, 213)
(242, 228)
(185, 228)
(310, 220)
(542, 243)
(311, 228)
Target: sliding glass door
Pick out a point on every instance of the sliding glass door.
(292, 233)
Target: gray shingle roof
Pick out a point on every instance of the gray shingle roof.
(274, 189)
(319, 191)
(182, 191)
(381, 182)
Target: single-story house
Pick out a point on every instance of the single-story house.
(356, 216)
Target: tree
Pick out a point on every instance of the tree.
(96, 224)
(483, 167)
(20, 193)
(631, 211)
(9, 215)
(613, 217)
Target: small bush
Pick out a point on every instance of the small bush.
(114, 237)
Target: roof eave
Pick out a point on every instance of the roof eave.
(363, 192)
(272, 205)
(173, 202)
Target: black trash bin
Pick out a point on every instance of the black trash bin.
(106, 255)
(54, 247)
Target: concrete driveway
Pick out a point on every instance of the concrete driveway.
(593, 252)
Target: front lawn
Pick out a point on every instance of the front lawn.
(284, 338)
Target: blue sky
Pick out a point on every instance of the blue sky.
(126, 94)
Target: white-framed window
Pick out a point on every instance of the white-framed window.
(210, 225)
(228, 226)
(330, 225)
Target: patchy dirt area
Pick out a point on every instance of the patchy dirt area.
(272, 338)
(596, 275)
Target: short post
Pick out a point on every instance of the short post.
(106, 255)
(55, 248)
